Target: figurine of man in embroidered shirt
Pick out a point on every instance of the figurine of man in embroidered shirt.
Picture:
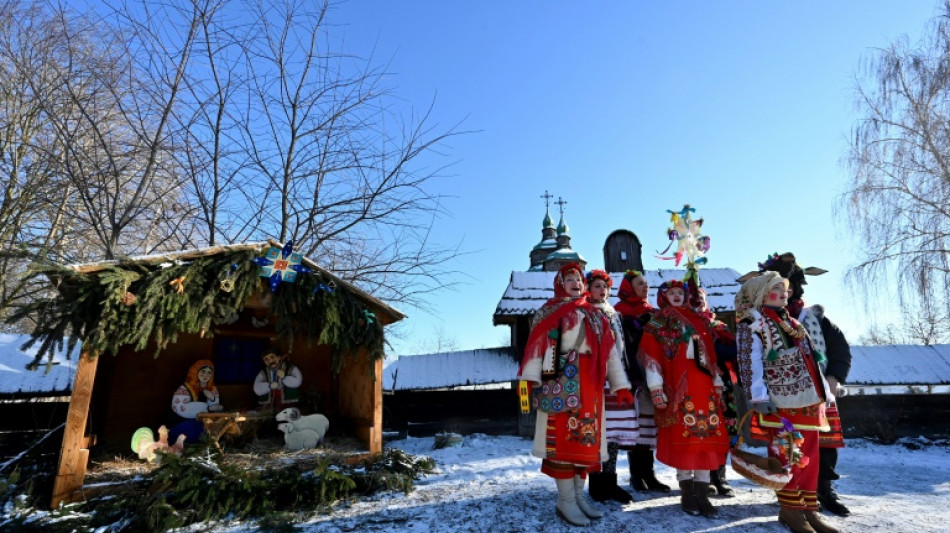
(278, 384)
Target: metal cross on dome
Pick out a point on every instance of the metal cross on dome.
(281, 265)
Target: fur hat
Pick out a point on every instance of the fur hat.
(787, 267)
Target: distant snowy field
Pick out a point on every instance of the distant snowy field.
(493, 484)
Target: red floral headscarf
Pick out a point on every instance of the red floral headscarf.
(630, 304)
(559, 292)
(549, 316)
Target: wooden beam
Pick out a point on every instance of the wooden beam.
(376, 432)
(73, 457)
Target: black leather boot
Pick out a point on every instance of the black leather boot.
(597, 486)
(642, 475)
(829, 501)
(701, 490)
(635, 458)
(603, 487)
(688, 498)
(718, 480)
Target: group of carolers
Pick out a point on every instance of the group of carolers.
(671, 370)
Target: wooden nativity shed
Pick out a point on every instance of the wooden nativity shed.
(143, 321)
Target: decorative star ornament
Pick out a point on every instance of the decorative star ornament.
(685, 232)
(328, 287)
(227, 284)
(178, 284)
(281, 265)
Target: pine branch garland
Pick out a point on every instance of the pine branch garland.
(94, 308)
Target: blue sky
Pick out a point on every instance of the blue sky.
(627, 109)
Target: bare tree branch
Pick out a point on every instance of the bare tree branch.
(898, 200)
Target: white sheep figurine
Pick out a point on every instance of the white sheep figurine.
(316, 423)
(298, 439)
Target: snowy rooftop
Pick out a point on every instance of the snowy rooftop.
(15, 379)
(527, 291)
(900, 365)
(450, 369)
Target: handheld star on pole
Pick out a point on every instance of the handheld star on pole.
(690, 243)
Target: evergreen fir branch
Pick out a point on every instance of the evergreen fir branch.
(92, 307)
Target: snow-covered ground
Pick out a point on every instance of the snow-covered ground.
(494, 484)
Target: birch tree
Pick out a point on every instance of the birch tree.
(898, 200)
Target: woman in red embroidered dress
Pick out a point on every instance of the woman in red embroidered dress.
(679, 360)
(569, 354)
(782, 379)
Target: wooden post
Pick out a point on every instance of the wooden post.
(74, 454)
(376, 432)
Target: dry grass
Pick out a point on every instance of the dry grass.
(258, 453)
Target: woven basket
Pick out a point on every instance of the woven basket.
(764, 471)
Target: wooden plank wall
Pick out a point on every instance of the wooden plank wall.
(361, 400)
(425, 413)
(137, 389)
(888, 417)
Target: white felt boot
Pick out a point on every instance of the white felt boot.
(582, 500)
(567, 504)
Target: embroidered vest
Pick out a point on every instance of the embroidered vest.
(289, 394)
(785, 371)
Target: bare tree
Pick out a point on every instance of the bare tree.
(898, 200)
(917, 325)
(139, 126)
(36, 201)
(339, 168)
(283, 134)
(110, 107)
(209, 115)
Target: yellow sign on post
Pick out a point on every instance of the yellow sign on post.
(524, 396)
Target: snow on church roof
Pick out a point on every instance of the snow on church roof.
(527, 291)
(450, 369)
(16, 380)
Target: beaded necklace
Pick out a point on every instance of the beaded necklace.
(798, 332)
